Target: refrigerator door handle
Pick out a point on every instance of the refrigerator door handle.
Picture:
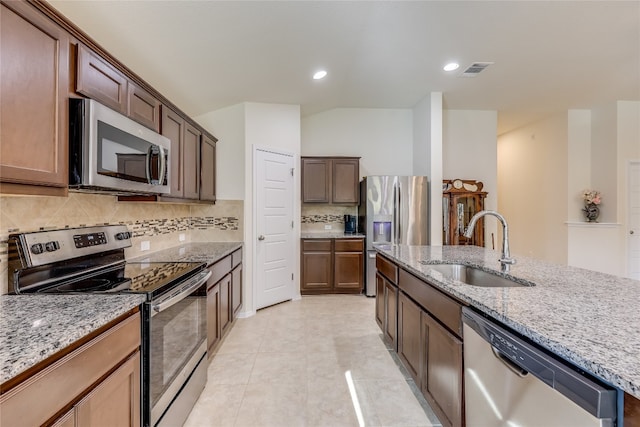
(396, 214)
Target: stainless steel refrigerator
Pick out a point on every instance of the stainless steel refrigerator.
(392, 210)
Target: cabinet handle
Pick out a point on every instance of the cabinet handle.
(261, 237)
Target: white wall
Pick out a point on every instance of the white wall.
(383, 138)
(532, 184)
(470, 152)
(227, 125)
(604, 159)
(579, 161)
(275, 126)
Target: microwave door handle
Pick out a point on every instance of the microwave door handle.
(147, 170)
(163, 166)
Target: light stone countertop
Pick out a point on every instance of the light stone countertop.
(34, 327)
(330, 235)
(588, 318)
(207, 252)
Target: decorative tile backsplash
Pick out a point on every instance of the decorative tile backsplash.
(316, 217)
(161, 224)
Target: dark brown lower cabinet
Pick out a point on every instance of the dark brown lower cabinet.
(332, 266)
(442, 379)
(224, 298)
(428, 338)
(236, 290)
(380, 310)
(214, 330)
(226, 316)
(410, 341)
(390, 329)
(316, 270)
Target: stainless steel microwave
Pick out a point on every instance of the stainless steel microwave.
(109, 152)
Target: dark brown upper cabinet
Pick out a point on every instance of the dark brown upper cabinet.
(99, 80)
(34, 62)
(190, 155)
(143, 107)
(208, 169)
(331, 180)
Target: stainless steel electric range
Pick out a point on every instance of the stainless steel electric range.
(91, 260)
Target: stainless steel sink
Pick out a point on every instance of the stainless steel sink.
(474, 276)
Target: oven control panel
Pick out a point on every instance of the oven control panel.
(89, 239)
(49, 246)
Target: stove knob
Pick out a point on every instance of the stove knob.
(37, 249)
(123, 236)
(52, 246)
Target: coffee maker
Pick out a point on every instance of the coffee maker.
(349, 224)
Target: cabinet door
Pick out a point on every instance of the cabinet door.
(346, 178)
(316, 180)
(34, 64)
(236, 290)
(316, 265)
(410, 336)
(391, 313)
(348, 271)
(67, 420)
(99, 80)
(442, 376)
(143, 107)
(173, 127)
(116, 400)
(208, 172)
(214, 331)
(225, 303)
(380, 309)
(191, 162)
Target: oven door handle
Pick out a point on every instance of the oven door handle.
(184, 292)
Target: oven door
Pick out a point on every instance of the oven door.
(176, 341)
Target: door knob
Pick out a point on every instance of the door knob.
(631, 232)
(261, 237)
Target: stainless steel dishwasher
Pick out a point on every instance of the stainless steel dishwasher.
(512, 382)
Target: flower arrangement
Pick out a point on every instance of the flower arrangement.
(591, 197)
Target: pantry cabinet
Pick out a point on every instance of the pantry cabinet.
(332, 266)
(96, 382)
(34, 65)
(333, 180)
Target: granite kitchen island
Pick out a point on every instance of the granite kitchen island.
(588, 318)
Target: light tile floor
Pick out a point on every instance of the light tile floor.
(319, 361)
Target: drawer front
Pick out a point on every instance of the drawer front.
(220, 269)
(349, 245)
(387, 268)
(236, 258)
(316, 245)
(442, 307)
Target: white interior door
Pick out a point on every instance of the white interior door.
(634, 221)
(274, 228)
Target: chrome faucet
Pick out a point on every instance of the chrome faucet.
(505, 259)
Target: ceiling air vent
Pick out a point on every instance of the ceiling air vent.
(475, 69)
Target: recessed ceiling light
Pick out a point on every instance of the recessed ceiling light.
(451, 66)
(319, 75)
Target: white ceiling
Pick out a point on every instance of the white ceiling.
(549, 56)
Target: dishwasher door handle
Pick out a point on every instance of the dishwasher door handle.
(513, 367)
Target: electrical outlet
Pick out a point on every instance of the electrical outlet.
(182, 237)
(145, 245)
(327, 227)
